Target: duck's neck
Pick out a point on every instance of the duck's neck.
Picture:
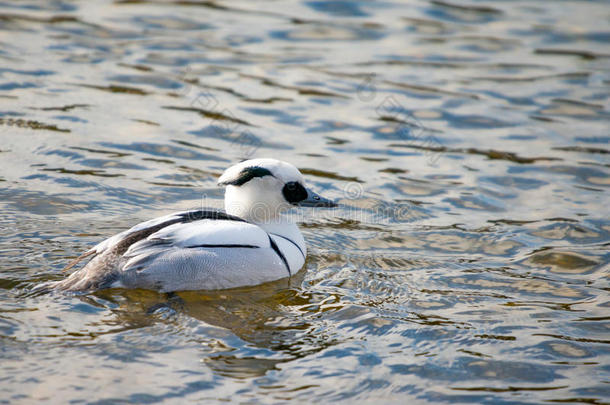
(274, 221)
(279, 227)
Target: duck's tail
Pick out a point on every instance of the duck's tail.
(96, 274)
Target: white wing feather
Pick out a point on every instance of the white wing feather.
(113, 240)
(213, 232)
(200, 233)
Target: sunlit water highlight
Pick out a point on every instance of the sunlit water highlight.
(466, 140)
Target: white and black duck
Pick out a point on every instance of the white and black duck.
(248, 244)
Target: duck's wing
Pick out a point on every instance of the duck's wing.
(144, 229)
(120, 242)
(201, 234)
(106, 257)
(203, 254)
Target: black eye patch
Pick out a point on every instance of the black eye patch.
(294, 192)
(246, 175)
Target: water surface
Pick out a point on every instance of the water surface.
(466, 140)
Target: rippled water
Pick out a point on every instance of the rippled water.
(467, 141)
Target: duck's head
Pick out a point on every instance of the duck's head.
(260, 189)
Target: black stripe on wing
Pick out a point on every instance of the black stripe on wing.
(196, 215)
(280, 254)
(291, 241)
(181, 218)
(223, 246)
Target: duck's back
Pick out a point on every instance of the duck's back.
(190, 250)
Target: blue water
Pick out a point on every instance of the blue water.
(466, 140)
